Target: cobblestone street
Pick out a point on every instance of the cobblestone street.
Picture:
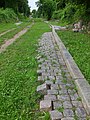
(61, 97)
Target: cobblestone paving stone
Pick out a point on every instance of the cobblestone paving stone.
(61, 89)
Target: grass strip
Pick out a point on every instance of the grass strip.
(18, 77)
(78, 45)
(6, 26)
(57, 23)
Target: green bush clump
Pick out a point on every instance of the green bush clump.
(66, 14)
(7, 15)
(80, 12)
(71, 13)
(57, 14)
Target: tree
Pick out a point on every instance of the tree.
(34, 13)
(46, 7)
(17, 5)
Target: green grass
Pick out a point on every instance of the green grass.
(13, 32)
(60, 109)
(6, 26)
(18, 77)
(58, 23)
(78, 45)
(45, 116)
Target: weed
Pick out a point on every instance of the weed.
(60, 109)
(63, 74)
(79, 99)
(88, 118)
(64, 81)
(45, 116)
(54, 81)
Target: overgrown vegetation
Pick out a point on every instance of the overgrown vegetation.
(78, 45)
(13, 10)
(46, 8)
(70, 13)
(64, 10)
(7, 15)
(19, 6)
(18, 77)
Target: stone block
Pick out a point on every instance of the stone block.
(67, 104)
(50, 97)
(74, 97)
(52, 92)
(51, 77)
(59, 82)
(63, 97)
(71, 92)
(64, 92)
(57, 104)
(54, 87)
(48, 82)
(77, 103)
(63, 87)
(68, 118)
(42, 89)
(68, 113)
(40, 79)
(55, 115)
(80, 112)
(46, 105)
(39, 72)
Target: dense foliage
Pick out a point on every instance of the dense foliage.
(46, 8)
(68, 10)
(7, 15)
(20, 6)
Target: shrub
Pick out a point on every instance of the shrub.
(7, 15)
(57, 14)
(68, 12)
(80, 12)
(72, 13)
(65, 14)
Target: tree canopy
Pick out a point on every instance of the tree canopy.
(18, 6)
(46, 8)
(61, 9)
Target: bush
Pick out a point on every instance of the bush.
(72, 13)
(21, 16)
(65, 14)
(80, 12)
(68, 12)
(7, 15)
(57, 14)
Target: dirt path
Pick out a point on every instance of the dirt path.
(10, 41)
(7, 31)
